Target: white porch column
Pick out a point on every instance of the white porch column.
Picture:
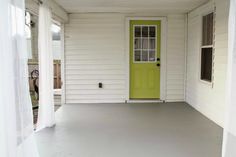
(46, 116)
(229, 144)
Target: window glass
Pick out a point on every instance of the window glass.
(206, 64)
(207, 30)
(137, 55)
(137, 43)
(207, 47)
(144, 55)
(152, 31)
(152, 43)
(137, 31)
(145, 31)
(144, 43)
(152, 55)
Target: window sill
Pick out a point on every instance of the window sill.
(206, 82)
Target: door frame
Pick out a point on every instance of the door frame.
(162, 54)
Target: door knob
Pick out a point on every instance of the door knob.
(158, 64)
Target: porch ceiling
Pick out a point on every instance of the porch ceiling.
(130, 6)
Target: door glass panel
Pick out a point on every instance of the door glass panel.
(137, 55)
(138, 31)
(152, 55)
(144, 55)
(144, 31)
(145, 43)
(152, 43)
(152, 31)
(137, 43)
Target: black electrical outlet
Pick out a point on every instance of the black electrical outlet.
(100, 85)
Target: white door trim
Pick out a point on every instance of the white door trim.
(163, 54)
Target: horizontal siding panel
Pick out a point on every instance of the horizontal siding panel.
(94, 97)
(93, 82)
(109, 62)
(95, 72)
(175, 58)
(95, 87)
(76, 78)
(97, 67)
(94, 58)
(95, 92)
(95, 101)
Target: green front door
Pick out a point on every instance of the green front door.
(145, 42)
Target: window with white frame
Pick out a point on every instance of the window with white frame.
(144, 43)
(207, 47)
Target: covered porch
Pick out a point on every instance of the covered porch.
(118, 78)
(140, 80)
(130, 130)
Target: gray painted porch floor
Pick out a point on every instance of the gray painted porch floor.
(130, 130)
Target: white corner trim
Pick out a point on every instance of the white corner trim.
(63, 91)
(186, 56)
(163, 54)
(163, 58)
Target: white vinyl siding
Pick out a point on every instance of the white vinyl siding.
(94, 48)
(209, 99)
(175, 58)
(95, 52)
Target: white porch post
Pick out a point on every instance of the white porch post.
(229, 143)
(46, 116)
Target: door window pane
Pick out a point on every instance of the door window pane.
(137, 31)
(144, 31)
(137, 56)
(152, 55)
(152, 31)
(152, 43)
(145, 43)
(137, 43)
(144, 55)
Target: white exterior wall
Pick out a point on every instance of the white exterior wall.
(175, 80)
(209, 99)
(95, 52)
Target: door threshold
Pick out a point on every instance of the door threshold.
(144, 101)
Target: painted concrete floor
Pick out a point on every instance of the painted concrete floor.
(130, 130)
